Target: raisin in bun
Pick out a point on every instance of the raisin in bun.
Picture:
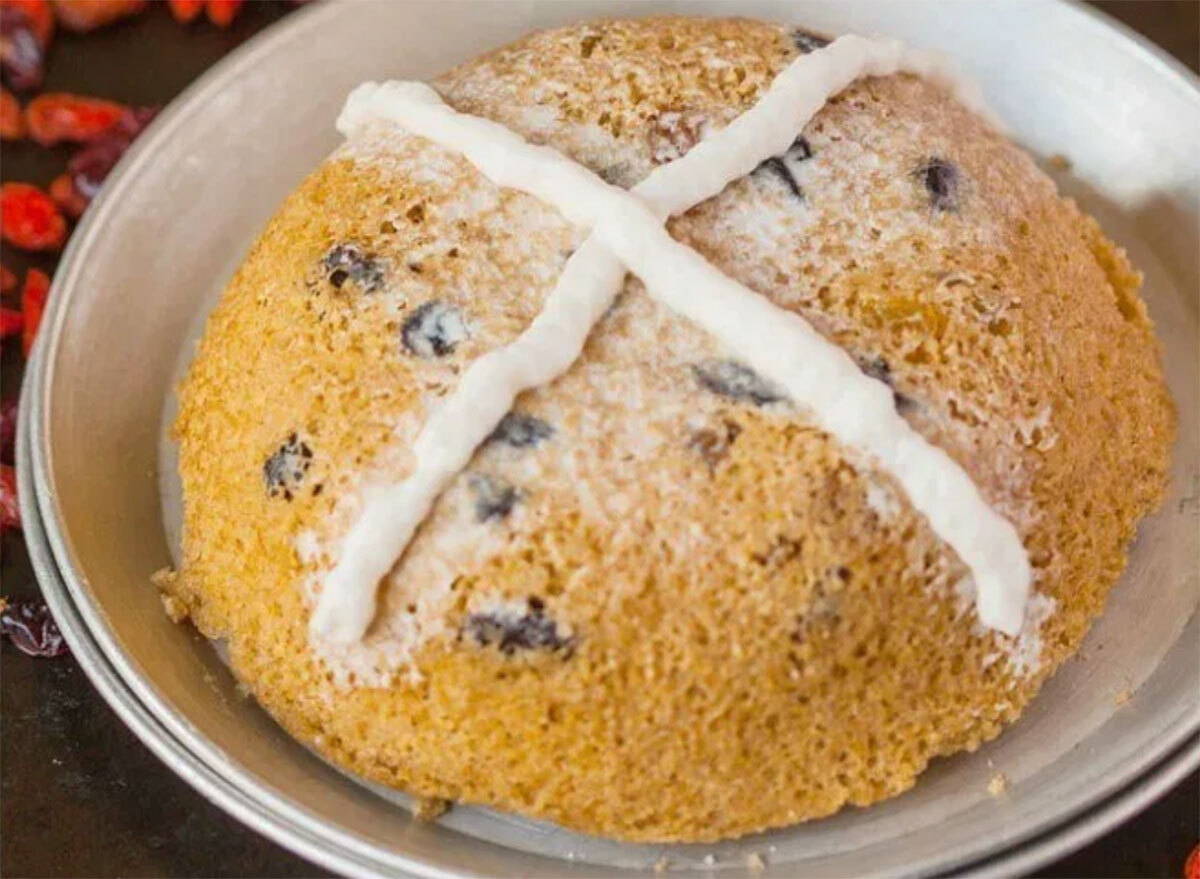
(660, 604)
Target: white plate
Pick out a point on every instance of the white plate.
(186, 203)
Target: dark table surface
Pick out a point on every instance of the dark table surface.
(79, 794)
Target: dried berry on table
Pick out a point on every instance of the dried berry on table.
(29, 219)
(10, 510)
(186, 10)
(87, 15)
(31, 628)
(730, 379)
(57, 116)
(940, 179)
(12, 123)
(8, 280)
(68, 198)
(33, 303)
(512, 630)
(284, 470)
(222, 12)
(89, 167)
(8, 430)
(346, 262)
(434, 330)
(12, 322)
(39, 15)
(22, 54)
(520, 431)
(494, 497)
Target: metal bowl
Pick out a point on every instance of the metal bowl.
(186, 202)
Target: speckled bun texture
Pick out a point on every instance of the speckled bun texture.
(660, 604)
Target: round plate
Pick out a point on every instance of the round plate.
(184, 205)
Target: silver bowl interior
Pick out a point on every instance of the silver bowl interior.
(186, 203)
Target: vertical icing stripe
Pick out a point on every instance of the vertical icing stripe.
(628, 233)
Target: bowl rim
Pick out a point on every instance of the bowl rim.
(247, 797)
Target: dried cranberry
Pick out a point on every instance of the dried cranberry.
(11, 322)
(22, 56)
(86, 15)
(185, 10)
(40, 15)
(940, 179)
(222, 12)
(8, 430)
(10, 509)
(12, 123)
(32, 629)
(8, 280)
(58, 116)
(67, 196)
(33, 303)
(29, 219)
(91, 165)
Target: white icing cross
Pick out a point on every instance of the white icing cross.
(628, 235)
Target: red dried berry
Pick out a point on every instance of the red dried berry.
(32, 629)
(40, 15)
(33, 303)
(57, 116)
(67, 196)
(12, 123)
(22, 55)
(12, 322)
(1191, 868)
(8, 281)
(86, 15)
(222, 12)
(88, 167)
(8, 430)
(29, 219)
(186, 10)
(10, 510)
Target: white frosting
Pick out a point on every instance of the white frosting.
(628, 234)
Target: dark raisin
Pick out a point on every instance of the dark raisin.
(713, 445)
(345, 262)
(880, 370)
(739, 382)
(807, 41)
(511, 630)
(32, 629)
(940, 179)
(433, 330)
(22, 58)
(781, 166)
(520, 431)
(284, 470)
(494, 498)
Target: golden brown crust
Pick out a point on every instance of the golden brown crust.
(736, 625)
